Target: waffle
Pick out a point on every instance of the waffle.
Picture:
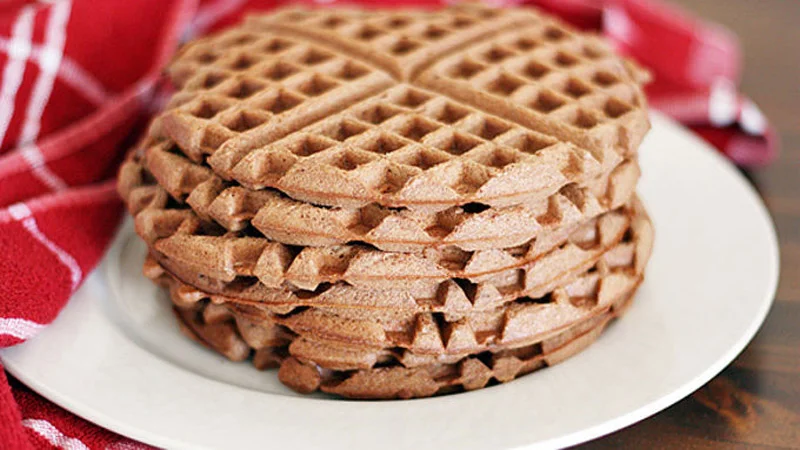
(395, 204)
(289, 221)
(454, 298)
(359, 373)
(424, 110)
(206, 249)
(523, 321)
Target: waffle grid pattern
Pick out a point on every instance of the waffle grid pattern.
(401, 42)
(568, 85)
(246, 80)
(431, 139)
(409, 146)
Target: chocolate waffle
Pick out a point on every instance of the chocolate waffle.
(523, 320)
(420, 109)
(470, 228)
(395, 204)
(438, 356)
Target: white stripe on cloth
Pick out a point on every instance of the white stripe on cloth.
(144, 91)
(33, 156)
(723, 106)
(49, 62)
(19, 328)
(619, 25)
(210, 13)
(752, 119)
(70, 72)
(19, 48)
(22, 213)
(82, 81)
(52, 435)
(159, 101)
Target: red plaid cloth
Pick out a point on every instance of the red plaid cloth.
(78, 77)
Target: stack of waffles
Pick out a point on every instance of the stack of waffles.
(395, 204)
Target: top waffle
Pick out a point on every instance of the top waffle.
(405, 109)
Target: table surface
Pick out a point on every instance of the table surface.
(754, 402)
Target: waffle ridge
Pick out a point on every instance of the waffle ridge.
(431, 142)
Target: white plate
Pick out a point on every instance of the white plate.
(114, 355)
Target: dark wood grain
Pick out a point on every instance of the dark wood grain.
(754, 402)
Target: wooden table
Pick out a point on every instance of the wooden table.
(755, 402)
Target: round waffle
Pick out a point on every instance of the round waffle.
(395, 204)
(425, 109)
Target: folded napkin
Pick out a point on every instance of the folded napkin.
(80, 77)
